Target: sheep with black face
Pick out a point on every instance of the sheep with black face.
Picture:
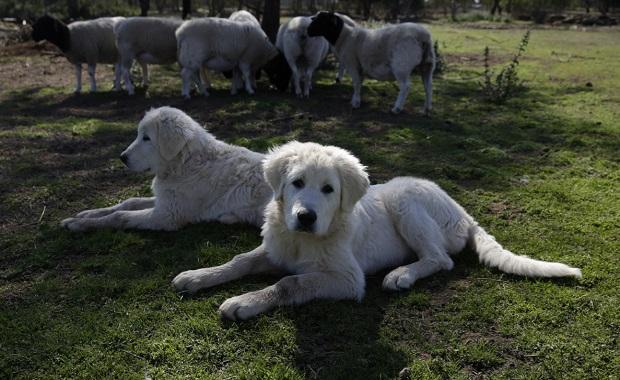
(223, 45)
(388, 53)
(89, 42)
(304, 54)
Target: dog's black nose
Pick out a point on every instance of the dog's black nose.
(306, 218)
(124, 158)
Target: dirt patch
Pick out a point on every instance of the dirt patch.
(32, 65)
(504, 210)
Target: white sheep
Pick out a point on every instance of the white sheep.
(304, 54)
(244, 16)
(146, 40)
(237, 78)
(222, 45)
(89, 42)
(388, 53)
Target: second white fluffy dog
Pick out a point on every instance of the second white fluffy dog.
(326, 228)
(197, 178)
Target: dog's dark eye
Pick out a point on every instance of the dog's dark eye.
(327, 189)
(146, 138)
(298, 183)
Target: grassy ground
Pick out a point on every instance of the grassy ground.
(541, 173)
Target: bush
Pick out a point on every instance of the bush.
(500, 88)
(440, 62)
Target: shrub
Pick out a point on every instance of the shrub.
(440, 62)
(500, 88)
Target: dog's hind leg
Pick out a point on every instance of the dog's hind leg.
(253, 262)
(128, 204)
(423, 236)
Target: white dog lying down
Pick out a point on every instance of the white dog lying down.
(197, 178)
(327, 230)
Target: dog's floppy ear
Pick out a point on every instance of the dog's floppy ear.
(275, 166)
(171, 137)
(353, 177)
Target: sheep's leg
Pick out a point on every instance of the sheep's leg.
(117, 77)
(308, 81)
(296, 81)
(236, 82)
(187, 75)
(357, 79)
(427, 79)
(145, 74)
(204, 77)
(125, 67)
(247, 77)
(253, 80)
(200, 84)
(340, 72)
(91, 76)
(78, 78)
(404, 83)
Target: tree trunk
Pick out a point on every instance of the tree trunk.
(271, 19)
(144, 7)
(453, 9)
(312, 6)
(395, 9)
(366, 5)
(187, 8)
(496, 7)
(73, 9)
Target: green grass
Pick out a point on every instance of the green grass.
(541, 173)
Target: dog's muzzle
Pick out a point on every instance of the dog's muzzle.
(306, 219)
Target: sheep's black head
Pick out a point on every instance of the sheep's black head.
(326, 24)
(279, 72)
(53, 30)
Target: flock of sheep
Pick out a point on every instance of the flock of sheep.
(240, 49)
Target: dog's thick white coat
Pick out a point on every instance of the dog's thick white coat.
(197, 178)
(356, 232)
(304, 54)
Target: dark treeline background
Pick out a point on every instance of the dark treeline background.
(536, 10)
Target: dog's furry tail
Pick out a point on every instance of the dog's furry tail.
(491, 253)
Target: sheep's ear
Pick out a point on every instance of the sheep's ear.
(354, 180)
(275, 166)
(171, 138)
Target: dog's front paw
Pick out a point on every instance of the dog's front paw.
(192, 281)
(243, 307)
(399, 279)
(92, 213)
(74, 224)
